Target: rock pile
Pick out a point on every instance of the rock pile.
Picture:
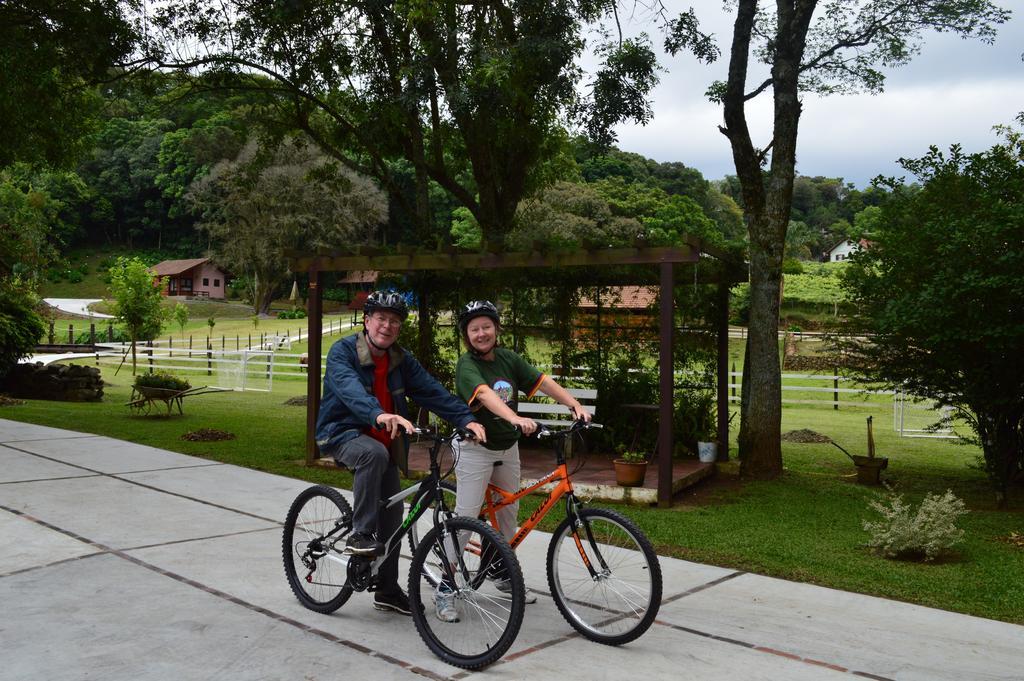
(61, 382)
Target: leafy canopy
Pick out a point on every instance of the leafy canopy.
(942, 292)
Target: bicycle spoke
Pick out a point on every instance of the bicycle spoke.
(620, 601)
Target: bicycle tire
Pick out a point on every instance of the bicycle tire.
(489, 620)
(621, 603)
(321, 583)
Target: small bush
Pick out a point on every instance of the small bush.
(630, 456)
(291, 314)
(925, 533)
(161, 380)
(74, 276)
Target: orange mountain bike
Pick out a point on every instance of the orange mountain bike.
(603, 572)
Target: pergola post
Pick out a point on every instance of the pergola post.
(314, 317)
(723, 371)
(666, 392)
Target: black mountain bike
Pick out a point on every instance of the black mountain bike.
(323, 577)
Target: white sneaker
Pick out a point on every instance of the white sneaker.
(505, 587)
(444, 601)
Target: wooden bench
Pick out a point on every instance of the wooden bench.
(547, 412)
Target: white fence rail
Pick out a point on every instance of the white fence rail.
(256, 368)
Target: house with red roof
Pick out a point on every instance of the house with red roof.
(197, 277)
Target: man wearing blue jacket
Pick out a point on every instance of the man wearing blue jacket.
(363, 422)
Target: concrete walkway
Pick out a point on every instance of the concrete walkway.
(78, 306)
(121, 561)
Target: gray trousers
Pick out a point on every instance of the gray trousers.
(474, 469)
(375, 479)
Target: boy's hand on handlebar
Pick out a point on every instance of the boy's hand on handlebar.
(581, 414)
(394, 424)
(477, 429)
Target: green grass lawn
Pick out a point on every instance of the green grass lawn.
(804, 526)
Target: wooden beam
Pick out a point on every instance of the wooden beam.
(666, 392)
(723, 373)
(687, 253)
(315, 326)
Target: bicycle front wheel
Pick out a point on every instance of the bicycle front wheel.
(483, 620)
(604, 576)
(317, 572)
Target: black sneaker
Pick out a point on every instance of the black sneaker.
(392, 602)
(362, 545)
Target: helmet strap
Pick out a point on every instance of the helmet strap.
(369, 340)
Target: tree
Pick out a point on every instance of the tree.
(443, 86)
(292, 197)
(50, 52)
(181, 316)
(122, 168)
(940, 289)
(809, 46)
(21, 327)
(137, 300)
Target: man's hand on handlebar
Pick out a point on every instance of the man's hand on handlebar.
(477, 429)
(394, 424)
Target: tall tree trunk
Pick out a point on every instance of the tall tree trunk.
(766, 206)
(761, 426)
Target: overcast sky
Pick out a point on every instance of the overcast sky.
(954, 91)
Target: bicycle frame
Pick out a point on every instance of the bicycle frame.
(497, 498)
(423, 493)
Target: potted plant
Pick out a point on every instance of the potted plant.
(630, 467)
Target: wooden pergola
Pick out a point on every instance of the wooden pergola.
(667, 259)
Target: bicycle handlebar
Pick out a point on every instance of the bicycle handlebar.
(544, 431)
(457, 434)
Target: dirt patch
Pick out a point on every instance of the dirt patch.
(6, 401)
(718, 489)
(805, 435)
(299, 401)
(1013, 539)
(208, 435)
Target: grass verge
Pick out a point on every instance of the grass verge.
(804, 526)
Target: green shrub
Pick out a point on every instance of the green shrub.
(120, 336)
(74, 276)
(339, 294)
(161, 380)
(925, 533)
(792, 266)
(630, 456)
(292, 314)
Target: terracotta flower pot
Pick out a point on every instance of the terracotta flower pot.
(630, 474)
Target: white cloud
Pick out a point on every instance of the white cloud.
(953, 92)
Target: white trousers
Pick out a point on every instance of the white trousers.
(475, 468)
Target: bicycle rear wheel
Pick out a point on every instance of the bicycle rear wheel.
(620, 600)
(488, 619)
(317, 572)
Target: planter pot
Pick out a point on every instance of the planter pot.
(707, 452)
(629, 474)
(869, 469)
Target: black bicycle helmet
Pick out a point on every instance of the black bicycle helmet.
(386, 301)
(478, 308)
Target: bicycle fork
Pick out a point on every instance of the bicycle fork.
(572, 511)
